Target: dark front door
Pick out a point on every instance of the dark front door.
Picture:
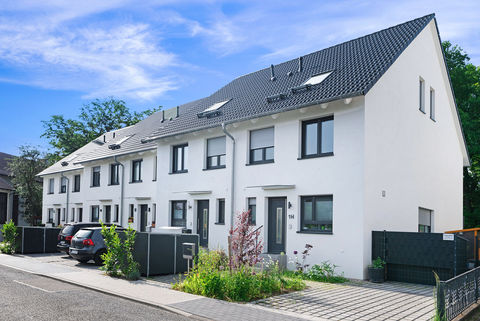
(143, 217)
(108, 213)
(276, 224)
(3, 208)
(202, 222)
(58, 216)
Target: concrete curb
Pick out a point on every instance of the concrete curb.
(111, 293)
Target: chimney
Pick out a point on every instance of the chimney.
(272, 73)
(300, 64)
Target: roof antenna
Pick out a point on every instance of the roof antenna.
(300, 64)
(272, 72)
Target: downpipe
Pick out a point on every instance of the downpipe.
(68, 196)
(232, 182)
(121, 188)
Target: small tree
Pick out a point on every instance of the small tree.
(23, 169)
(9, 232)
(245, 243)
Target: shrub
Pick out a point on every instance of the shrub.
(302, 266)
(119, 260)
(9, 232)
(323, 272)
(378, 263)
(245, 243)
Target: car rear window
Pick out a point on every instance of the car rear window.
(67, 230)
(84, 234)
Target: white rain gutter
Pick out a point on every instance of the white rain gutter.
(232, 182)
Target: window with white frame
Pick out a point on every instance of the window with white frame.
(216, 150)
(51, 186)
(262, 145)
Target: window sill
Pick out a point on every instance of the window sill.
(50, 193)
(212, 168)
(76, 191)
(61, 192)
(94, 186)
(422, 111)
(315, 156)
(135, 182)
(261, 163)
(178, 172)
(315, 232)
(432, 119)
(219, 223)
(115, 184)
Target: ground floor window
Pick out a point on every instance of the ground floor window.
(154, 214)
(221, 211)
(252, 207)
(80, 214)
(95, 213)
(116, 213)
(130, 217)
(51, 213)
(424, 220)
(179, 213)
(317, 213)
(63, 214)
(72, 219)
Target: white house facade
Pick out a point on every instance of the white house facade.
(321, 150)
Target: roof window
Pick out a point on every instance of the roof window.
(212, 111)
(117, 144)
(315, 80)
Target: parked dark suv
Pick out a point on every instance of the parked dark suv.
(87, 244)
(68, 231)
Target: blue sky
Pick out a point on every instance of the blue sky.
(56, 55)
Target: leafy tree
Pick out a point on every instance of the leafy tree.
(95, 118)
(27, 186)
(466, 85)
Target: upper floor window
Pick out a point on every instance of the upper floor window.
(261, 145)
(317, 137)
(432, 104)
(51, 186)
(114, 174)
(155, 167)
(180, 156)
(252, 207)
(136, 171)
(76, 183)
(317, 214)
(421, 97)
(179, 213)
(63, 185)
(424, 220)
(96, 176)
(216, 152)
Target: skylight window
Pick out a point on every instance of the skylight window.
(315, 80)
(123, 140)
(212, 110)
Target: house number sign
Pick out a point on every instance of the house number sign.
(291, 216)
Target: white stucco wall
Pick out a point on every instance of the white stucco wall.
(416, 161)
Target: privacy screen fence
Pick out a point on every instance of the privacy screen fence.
(32, 240)
(412, 257)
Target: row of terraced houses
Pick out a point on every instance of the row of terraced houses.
(322, 149)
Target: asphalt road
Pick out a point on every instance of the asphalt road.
(25, 296)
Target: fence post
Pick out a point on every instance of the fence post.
(148, 255)
(440, 304)
(454, 255)
(23, 238)
(175, 254)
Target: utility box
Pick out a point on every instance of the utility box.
(188, 250)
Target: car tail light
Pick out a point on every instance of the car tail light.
(88, 242)
(68, 238)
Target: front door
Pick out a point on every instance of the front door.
(276, 224)
(202, 222)
(143, 217)
(108, 213)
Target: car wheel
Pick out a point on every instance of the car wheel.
(98, 257)
(83, 260)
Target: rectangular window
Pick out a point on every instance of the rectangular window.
(72, 218)
(154, 214)
(137, 171)
(51, 186)
(317, 137)
(131, 213)
(114, 174)
(421, 97)
(216, 150)
(432, 104)
(80, 215)
(180, 156)
(51, 213)
(63, 185)
(96, 176)
(179, 213)
(424, 220)
(252, 207)
(116, 213)
(155, 167)
(317, 214)
(261, 145)
(95, 213)
(63, 214)
(76, 183)
(221, 211)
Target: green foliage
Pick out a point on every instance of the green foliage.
(378, 263)
(466, 85)
(119, 260)
(211, 277)
(323, 272)
(95, 119)
(9, 233)
(27, 186)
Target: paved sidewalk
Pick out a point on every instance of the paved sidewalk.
(145, 291)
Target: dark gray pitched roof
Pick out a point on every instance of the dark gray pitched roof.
(5, 183)
(356, 66)
(4, 158)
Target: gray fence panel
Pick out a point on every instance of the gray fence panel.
(140, 251)
(32, 240)
(162, 254)
(51, 239)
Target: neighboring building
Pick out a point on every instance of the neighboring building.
(323, 149)
(11, 206)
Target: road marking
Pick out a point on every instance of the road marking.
(34, 287)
